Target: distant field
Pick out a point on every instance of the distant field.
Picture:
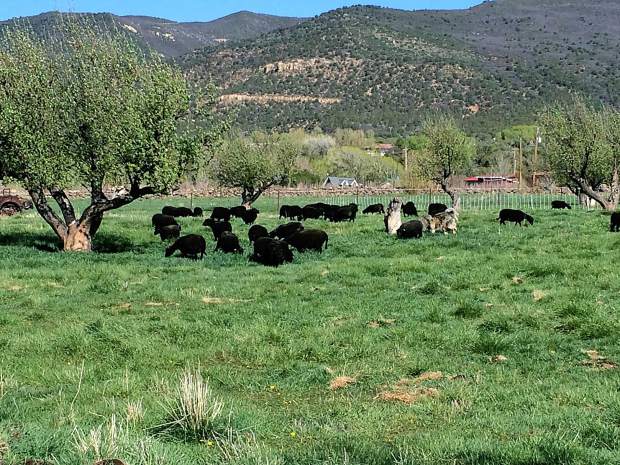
(461, 350)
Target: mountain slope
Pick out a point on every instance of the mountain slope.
(386, 69)
(174, 39)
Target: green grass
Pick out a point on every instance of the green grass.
(82, 337)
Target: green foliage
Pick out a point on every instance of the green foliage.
(448, 150)
(581, 146)
(255, 164)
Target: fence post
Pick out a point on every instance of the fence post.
(357, 195)
(278, 207)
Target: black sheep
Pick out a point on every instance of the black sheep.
(220, 214)
(182, 212)
(192, 246)
(346, 213)
(310, 212)
(250, 216)
(560, 205)
(292, 212)
(410, 230)
(285, 230)
(409, 209)
(372, 209)
(256, 232)
(170, 232)
(308, 239)
(615, 222)
(217, 227)
(238, 212)
(514, 216)
(229, 243)
(160, 220)
(271, 252)
(435, 209)
(329, 211)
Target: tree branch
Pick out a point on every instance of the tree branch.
(40, 202)
(65, 205)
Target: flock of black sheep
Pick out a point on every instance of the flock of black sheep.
(274, 248)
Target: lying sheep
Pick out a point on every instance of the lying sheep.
(271, 252)
(615, 222)
(514, 216)
(229, 243)
(285, 230)
(308, 239)
(257, 231)
(217, 227)
(411, 230)
(192, 246)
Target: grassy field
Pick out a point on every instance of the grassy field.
(474, 349)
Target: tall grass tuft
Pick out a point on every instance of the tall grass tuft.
(193, 410)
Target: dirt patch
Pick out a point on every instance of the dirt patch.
(499, 359)
(597, 361)
(380, 323)
(407, 396)
(222, 301)
(538, 295)
(341, 382)
(517, 280)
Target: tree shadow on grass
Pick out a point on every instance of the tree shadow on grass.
(44, 242)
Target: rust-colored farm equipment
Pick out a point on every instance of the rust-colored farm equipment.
(11, 204)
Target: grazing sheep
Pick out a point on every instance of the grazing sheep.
(436, 208)
(560, 205)
(257, 231)
(192, 246)
(229, 243)
(615, 222)
(322, 207)
(376, 208)
(250, 216)
(182, 212)
(170, 232)
(411, 230)
(285, 230)
(160, 220)
(409, 209)
(393, 220)
(293, 212)
(308, 239)
(346, 213)
(220, 214)
(271, 252)
(311, 213)
(514, 216)
(446, 222)
(238, 212)
(217, 227)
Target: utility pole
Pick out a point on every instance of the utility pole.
(520, 163)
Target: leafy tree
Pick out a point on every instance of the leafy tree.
(448, 152)
(254, 165)
(582, 149)
(90, 109)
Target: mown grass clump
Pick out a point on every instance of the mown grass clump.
(521, 323)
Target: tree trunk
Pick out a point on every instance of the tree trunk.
(454, 196)
(596, 196)
(78, 238)
(614, 199)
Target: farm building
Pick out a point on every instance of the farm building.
(334, 181)
(491, 181)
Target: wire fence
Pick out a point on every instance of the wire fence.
(470, 200)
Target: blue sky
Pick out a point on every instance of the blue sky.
(205, 10)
